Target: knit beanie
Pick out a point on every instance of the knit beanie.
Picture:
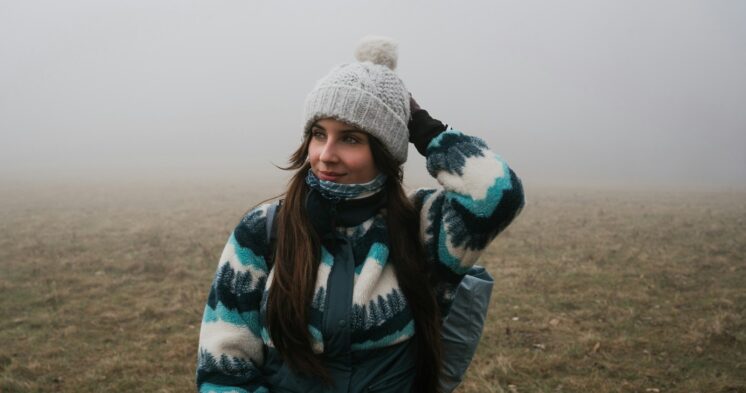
(366, 94)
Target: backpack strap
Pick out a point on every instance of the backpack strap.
(271, 226)
(462, 327)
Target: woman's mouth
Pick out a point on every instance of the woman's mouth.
(329, 176)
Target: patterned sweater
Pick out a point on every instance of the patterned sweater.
(480, 196)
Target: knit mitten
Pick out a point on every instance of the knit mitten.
(422, 127)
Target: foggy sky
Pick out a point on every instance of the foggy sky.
(620, 94)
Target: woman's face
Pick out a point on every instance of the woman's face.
(340, 153)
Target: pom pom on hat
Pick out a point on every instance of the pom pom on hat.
(377, 50)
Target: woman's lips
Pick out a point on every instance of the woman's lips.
(329, 176)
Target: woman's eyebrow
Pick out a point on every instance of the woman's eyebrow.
(316, 125)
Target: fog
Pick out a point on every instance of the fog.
(622, 94)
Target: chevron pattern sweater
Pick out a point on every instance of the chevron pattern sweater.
(480, 196)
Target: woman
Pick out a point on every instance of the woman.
(350, 296)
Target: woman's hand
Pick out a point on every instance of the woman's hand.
(422, 127)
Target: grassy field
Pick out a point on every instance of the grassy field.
(102, 289)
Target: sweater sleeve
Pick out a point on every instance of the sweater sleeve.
(480, 196)
(230, 345)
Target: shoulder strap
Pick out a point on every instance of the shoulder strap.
(463, 325)
(271, 232)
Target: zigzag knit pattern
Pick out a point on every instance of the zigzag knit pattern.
(480, 196)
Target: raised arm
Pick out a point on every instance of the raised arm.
(480, 196)
(230, 344)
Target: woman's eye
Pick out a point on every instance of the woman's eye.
(351, 140)
(317, 134)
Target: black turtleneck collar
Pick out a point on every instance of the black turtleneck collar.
(325, 214)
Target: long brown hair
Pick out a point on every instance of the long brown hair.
(297, 258)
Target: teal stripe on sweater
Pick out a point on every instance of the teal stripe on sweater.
(379, 252)
(326, 257)
(210, 388)
(486, 206)
(249, 319)
(445, 256)
(246, 256)
(315, 334)
(265, 335)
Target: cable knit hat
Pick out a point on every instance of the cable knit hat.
(367, 94)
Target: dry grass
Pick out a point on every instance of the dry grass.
(102, 289)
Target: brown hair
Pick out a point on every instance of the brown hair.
(297, 260)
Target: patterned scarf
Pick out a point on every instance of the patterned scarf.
(338, 192)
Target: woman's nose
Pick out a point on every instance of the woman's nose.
(328, 153)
